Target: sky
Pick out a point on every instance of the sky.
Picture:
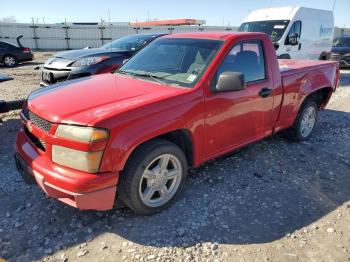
(215, 12)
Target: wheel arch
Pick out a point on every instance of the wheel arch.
(320, 96)
(183, 138)
(324, 55)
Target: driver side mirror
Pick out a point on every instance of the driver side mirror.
(293, 39)
(230, 81)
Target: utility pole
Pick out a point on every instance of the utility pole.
(101, 28)
(334, 1)
(109, 25)
(66, 27)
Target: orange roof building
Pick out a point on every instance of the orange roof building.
(174, 22)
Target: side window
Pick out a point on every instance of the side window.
(246, 58)
(295, 30)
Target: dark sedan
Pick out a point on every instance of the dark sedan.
(91, 61)
(11, 55)
(341, 51)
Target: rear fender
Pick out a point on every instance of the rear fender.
(319, 80)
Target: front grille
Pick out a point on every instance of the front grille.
(37, 121)
(36, 141)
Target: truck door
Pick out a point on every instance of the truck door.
(294, 47)
(236, 118)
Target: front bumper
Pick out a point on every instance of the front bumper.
(78, 189)
(50, 76)
(27, 57)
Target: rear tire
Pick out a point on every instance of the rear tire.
(304, 123)
(153, 177)
(10, 60)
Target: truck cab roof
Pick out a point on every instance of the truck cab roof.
(213, 35)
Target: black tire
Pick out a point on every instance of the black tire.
(10, 60)
(284, 56)
(294, 133)
(130, 177)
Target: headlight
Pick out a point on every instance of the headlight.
(80, 160)
(89, 61)
(83, 161)
(81, 133)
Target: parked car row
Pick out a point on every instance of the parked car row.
(178, 102)
(91, 61)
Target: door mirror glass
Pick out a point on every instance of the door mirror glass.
(230, 81)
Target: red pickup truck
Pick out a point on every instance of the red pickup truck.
(182, 100)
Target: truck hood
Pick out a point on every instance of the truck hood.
(86, 101)
(80, 53)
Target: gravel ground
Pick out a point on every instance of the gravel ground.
(271, 201)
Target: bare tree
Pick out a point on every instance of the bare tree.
(9, 19)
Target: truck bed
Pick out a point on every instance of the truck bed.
(300, 78)
(287, 66)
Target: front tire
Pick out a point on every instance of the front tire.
(304, 123)
(10, 61)
(153, 178)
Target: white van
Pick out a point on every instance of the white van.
(297, 32)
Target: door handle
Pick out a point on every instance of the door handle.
(299, 47)
(265, 92)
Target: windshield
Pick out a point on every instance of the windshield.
(129, 43)
(174, 61)
(341, 42)
(274, 29)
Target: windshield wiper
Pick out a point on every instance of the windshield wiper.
(120, 72)
(148, 75)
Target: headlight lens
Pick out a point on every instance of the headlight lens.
(81, 133)
(83, 161)
(89, 61)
